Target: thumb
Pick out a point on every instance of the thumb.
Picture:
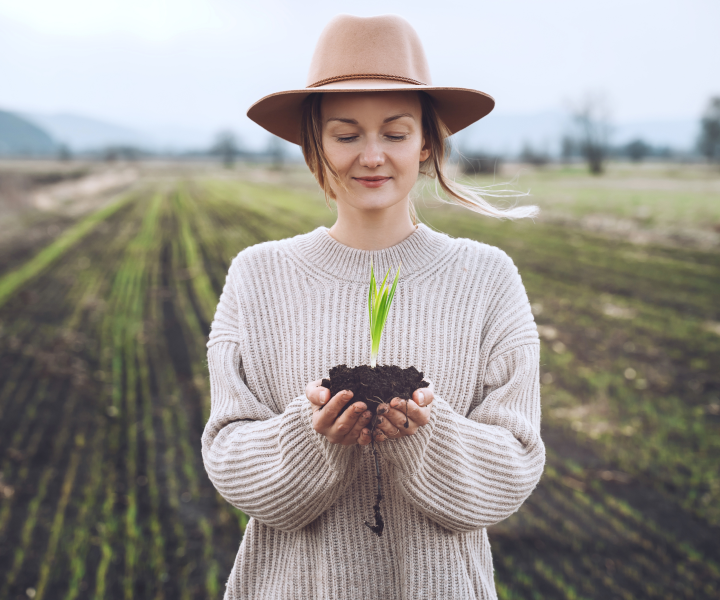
(319, 396)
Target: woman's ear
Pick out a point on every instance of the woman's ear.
(425, 151)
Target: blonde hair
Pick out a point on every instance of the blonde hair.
(435, 167)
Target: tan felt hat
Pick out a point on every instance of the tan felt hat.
(368, 54)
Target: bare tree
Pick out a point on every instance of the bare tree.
(64, 153)
(591, 117)
(637, 150)
(709, 141)
(480, 163)
(531, 156)
(276, 152)
(226, 147)
(568, 148)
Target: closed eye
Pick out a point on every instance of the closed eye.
(347, 139)
(396, 138)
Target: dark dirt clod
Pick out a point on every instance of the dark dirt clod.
(374, 385)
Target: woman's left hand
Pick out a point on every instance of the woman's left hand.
(391, 423)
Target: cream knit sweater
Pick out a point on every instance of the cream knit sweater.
(289, 311)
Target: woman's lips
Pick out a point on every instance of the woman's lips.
(372, 182)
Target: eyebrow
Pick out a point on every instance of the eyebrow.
(396, 117)
(354, 122)
(350, 121)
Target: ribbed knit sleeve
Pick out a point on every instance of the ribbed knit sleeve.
(471, 471)
(273, 467)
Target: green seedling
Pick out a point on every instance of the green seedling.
(379, 301)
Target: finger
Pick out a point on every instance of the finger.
(318, 396)
(407, 414)
(346, 422)
(326, 417)
(412, 414)
(418, 415)
(395, 415)
(365, 437)
(378, 435)
(391, 430)
(311, 386)
(360, 424)
(423, 396)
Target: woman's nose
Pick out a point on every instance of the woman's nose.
(372, 156)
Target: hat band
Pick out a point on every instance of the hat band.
(365, 76)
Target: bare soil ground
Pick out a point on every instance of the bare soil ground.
(104, 394)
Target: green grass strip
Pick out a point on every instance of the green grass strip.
(39, 434)
(10, 282)
(31, 519)
(59, 520)
(78, 548)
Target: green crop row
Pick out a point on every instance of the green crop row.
(105, 396)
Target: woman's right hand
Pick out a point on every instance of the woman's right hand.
(347, 429)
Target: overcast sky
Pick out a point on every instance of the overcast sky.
(199, 64)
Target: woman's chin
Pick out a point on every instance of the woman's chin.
(375, 203)
(375, 198)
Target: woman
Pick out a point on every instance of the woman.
(368, 123)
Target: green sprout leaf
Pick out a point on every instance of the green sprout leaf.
(379, 301)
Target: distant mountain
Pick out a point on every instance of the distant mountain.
(498, 133)
(83, 133)
(20, 137)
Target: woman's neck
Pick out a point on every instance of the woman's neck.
(372, 229)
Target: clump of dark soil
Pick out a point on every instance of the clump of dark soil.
(374, 385)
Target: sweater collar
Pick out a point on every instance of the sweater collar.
(319, 249)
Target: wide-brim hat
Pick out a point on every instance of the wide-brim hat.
(368, 54)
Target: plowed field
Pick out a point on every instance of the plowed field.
(104, 395)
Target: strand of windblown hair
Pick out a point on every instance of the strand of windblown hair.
(473, 198)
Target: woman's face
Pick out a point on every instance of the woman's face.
(375, 142)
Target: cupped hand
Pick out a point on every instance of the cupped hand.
(392, 422)
(349, 428)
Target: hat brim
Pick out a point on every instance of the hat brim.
(280, 113)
